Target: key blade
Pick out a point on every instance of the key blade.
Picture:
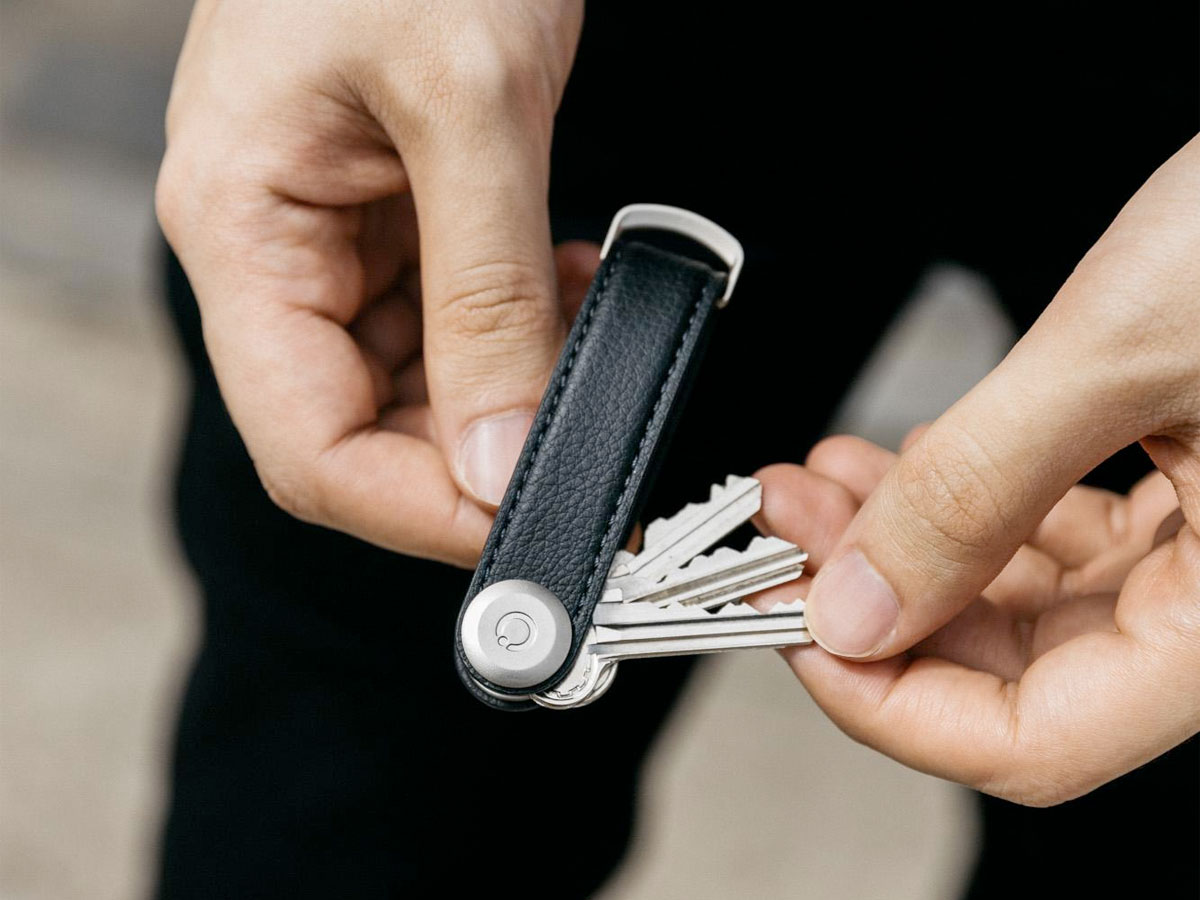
(681, 630)
(613, 618)
(670, 542)
(700, 644)
(722, 576)
(608, 638)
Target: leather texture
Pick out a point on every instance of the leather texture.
(601, 428)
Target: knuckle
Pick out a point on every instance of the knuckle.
(291, 489)
(490, 74)
(471, 80)
(497, 301)
(169, 199)
(829, 454)
(1031, 785)
(857, 731)
(951, 488)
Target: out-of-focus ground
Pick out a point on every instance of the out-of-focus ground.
(751, 793)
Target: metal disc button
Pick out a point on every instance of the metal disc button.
(516, 633)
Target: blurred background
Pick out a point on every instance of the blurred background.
(751, 792)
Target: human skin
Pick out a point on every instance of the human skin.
(978, 616)
(358, 196)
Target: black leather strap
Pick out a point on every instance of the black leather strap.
(603, 422)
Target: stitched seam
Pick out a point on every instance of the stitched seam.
(642, 448)
(552, 411)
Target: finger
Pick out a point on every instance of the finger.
(382, 387)
(1082, 525)
(1088, 521)
(855, 463)
(634, 542)
(914, 435)
(312, 428)
(993, 638)
(409, 384)
(1095, 373)
(1169, 527)
(1092, 708)
(576, 263)
(1179, 460)
(985, 636)
(415, 506)
(928, 713)
(415, 420)
(387, 242)
(1140, 517)
(389, 329)
(955, 507)
(1029, 584)
(493, 323)
(805, 508)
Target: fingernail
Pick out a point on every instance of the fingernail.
(851, 610)
(488, 453)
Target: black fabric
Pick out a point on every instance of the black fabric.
(847, 146)
(580, 481)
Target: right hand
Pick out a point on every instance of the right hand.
(383, 384)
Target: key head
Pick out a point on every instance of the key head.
(587, 680)
(516, 633)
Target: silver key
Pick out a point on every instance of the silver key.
(634, 631)
(716, 579)
(664, 602)
(669, 543)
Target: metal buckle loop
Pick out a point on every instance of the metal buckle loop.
(671, 218)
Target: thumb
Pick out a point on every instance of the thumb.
(1109, 362)
(492, 321)
(952, 511)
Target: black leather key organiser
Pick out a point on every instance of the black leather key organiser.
(588, 462)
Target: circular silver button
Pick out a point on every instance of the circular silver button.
(516, 633)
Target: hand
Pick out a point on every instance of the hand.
(383, 384)
(1079, 662)
(1009, 631)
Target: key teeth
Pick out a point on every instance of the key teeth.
(732, 609)
(731, 481)
(791, 606)
(662, 525)
(698, 564)
(760, 540)
(636, 587)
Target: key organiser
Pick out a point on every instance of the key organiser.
(589, 459)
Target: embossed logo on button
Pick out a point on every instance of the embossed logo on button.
(515, 630)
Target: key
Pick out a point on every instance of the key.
(671, 542)
(638, 630)
(631, 632)
(666, 601)
(727, 574)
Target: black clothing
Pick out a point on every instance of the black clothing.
(325, 746)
